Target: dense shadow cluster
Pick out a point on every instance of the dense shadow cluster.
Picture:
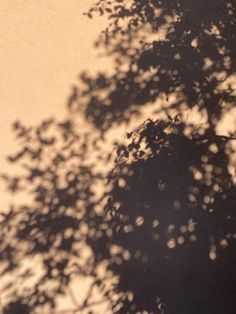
(156, 234)
(173, 207)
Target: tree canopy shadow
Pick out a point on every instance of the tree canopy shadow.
(156, 234)
(162, 48)
(173, 208)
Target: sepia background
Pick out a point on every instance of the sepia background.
(43, 47)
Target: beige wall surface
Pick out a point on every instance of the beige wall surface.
(44, 44)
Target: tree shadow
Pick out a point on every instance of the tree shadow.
(161, 49)
(173, 209)
(159, 236)
(60, 232)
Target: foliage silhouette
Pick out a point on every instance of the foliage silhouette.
(163, 48)
(173, 208)
(157, 233)
(60, 222)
